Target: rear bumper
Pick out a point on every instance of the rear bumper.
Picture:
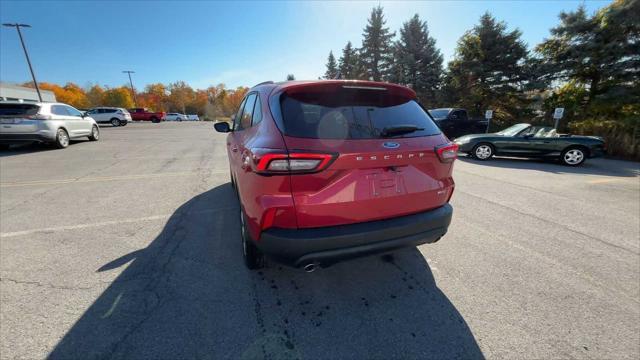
(25, 138)
(328, 245)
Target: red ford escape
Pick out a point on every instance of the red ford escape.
(331, 170)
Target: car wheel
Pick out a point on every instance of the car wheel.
(115, 122)
(4, 146)
(482, 151)
(62, 139)
(154, 120)
(95, 133)
(253, 257)
(573, 156)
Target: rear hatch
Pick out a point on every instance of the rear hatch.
(384, 162)
(18, 118)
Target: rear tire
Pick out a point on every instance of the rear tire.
(154, 120)
(115, 122)
(573, 156)
(482, 151)
(62, 139)
(95, 133)
(253, 257)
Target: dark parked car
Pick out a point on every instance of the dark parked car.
(456, 122)
(330, 170)
(524, 140)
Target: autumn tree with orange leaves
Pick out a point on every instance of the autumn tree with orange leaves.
(211, 103)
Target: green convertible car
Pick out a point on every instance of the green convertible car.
(525, 140)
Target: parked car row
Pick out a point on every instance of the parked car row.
(110, 115)
(181, 117)
(120, 116)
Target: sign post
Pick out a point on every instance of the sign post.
(488, 115)
(557, 115)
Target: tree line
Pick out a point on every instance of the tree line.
(210, 103)
(590, 65)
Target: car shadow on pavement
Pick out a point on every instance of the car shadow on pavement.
(188, 295)
(25, 149)
(596, 166)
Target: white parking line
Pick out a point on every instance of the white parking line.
(103, 223)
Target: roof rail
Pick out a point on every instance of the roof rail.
(264, 83)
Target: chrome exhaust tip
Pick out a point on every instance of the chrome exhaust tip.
(310, 268)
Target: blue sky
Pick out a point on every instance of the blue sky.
(236, 43)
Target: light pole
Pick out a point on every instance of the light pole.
(26, 54)
(133, 92)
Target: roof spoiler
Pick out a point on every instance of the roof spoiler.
(264, 83)
(333, 85)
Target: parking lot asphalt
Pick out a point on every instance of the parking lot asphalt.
(130, 248)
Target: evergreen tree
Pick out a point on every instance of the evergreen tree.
(417, 60)
(601, 52)
(290, 77)
(332, 67)
(489, 70)
(348, 62)
(376, 52)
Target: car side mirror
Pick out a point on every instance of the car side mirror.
(222, 126)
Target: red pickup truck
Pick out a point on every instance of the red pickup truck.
(144, 114)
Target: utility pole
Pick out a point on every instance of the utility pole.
(26, 54)
(133, 92)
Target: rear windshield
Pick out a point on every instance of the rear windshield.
(439, 113)
(18, 109)
(352, 114)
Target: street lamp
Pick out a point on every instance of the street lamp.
(33, 76)
(129, 72)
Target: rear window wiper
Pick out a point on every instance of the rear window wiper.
(399, 130)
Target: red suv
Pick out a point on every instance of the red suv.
(336, 169)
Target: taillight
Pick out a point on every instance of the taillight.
(293, 162)
(447, 152)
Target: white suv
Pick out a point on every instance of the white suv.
(176, 117)
(113, 115)
(51, 123)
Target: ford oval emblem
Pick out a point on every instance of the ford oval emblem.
(391, 145)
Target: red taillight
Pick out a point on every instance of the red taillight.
(447, 152)
(294, 162)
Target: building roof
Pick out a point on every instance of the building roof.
(17, 92)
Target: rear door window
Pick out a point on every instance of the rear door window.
(238, 115)
(10, 110)
(351, 114)
(73, 111)
(257, 112)
(247, 112)
(59, 110)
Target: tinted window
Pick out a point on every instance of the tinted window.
(72, 111)
(351, 115)
(459, 115)
(18, 109)
(59, 110)
(247, 113)
(237, 115)
(109, 111)
(439, 113)
(257, 111)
